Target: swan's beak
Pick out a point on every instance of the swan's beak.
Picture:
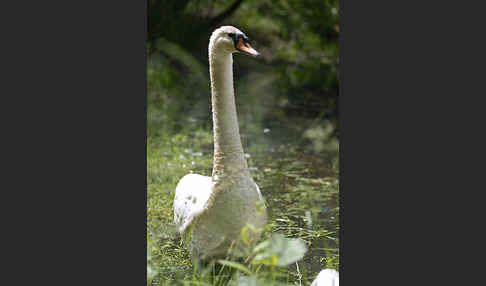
(245, 47)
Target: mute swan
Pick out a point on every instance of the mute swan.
(327, 277)
(210, 212)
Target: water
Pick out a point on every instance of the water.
(301, 189)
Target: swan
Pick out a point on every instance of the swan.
(327, 277)
(210, 212)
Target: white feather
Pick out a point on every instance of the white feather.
(327, 277)
(192, 194)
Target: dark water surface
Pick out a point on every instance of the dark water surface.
(300, 185)
(301, 190)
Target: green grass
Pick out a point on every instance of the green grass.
(168, 159)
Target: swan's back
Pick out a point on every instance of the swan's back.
(192, 194)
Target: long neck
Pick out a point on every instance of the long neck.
(228, 151)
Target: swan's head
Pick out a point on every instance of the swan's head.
(230, 40)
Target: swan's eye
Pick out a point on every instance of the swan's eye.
(231, 35)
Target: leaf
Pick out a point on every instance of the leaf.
(266, 259)
(280, 251)
(294, 251)
(236, 265)
(261, 246)
(244, 235)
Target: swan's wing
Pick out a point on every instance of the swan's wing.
(192, 193)
(327, 277)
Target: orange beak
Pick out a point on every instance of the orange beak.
(246, 48)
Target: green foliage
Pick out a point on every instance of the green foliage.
(276, 251)
(296, 74)
(235, 265)
(279, 251)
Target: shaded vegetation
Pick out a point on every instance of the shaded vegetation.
(297, 73)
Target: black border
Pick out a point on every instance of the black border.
(409, 121)
(74, 100)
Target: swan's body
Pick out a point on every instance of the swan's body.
(211, 211)
(327, 277)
